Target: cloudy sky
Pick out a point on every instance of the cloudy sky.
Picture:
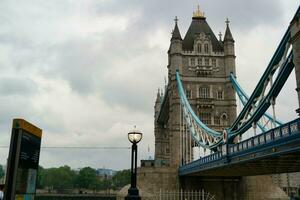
(86, 71)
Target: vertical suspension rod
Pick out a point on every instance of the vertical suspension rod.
(180, 134)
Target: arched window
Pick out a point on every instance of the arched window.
(224, 116)
(217, 120)
(192, 61)
(206, 61)
(188, 93)
(199, 48)
(224, 119)
(200, 61)
(206, 48)
(220, 95)
(205, 117)
(214, 63)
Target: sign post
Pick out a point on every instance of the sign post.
(23, 161)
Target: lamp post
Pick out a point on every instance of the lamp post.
(134, 137)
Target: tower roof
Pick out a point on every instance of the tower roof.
(176, 33)
(228, 35)
(199, 25)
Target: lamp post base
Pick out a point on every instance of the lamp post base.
(133, 194)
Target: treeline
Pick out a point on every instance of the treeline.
(64, 177)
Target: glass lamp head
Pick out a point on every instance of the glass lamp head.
(135, 136)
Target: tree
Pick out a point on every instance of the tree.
(2, 172)
(104, 184)
(60, 178)
(121, 178)
(40, 178)
(87, 178)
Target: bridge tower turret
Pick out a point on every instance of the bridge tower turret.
(229, 52)
(157, 103)
(161, 140)
(229, 62)
(175, 50)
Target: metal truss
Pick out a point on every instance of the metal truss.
(266, 122)
(266, 90)
(201, 134)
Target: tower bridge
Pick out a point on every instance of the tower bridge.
(198, 111)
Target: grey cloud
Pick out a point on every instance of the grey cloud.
(49, 120)
(81, 61)
(18, 86)
(90, 63)
(13, 107)
(78, 62)
(245, 14)
(135, 98)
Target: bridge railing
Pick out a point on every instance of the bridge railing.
(266, 137)
(272, 135)
(183, 195)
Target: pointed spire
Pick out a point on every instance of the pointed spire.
(176, 33)
(228, 35)
(158, 98)
(158, 94)
(220, 36)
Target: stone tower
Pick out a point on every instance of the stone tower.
(204, 63)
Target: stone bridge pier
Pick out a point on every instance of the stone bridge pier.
(236, 188)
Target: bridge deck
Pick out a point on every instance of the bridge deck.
(275, 151)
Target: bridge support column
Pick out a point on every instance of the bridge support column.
(295, 40)
(235, 188)
(260, 188)
(222, 188)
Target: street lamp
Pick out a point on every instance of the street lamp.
(134, 137)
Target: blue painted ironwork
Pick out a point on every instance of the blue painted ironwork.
(201, 134)
(264, 79)
(232, 153)
(259, 102)
(244, 99)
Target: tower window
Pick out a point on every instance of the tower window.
(214, 63)
(199, 48)
(205, 117)
(167, 150)
(204, 92)
(188, 94)
(200, 61)
(206, 48)
(192, 61)
(206, 61)
(224, 119)
(219, 94)
(217, 120)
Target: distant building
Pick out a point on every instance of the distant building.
(105, 173)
